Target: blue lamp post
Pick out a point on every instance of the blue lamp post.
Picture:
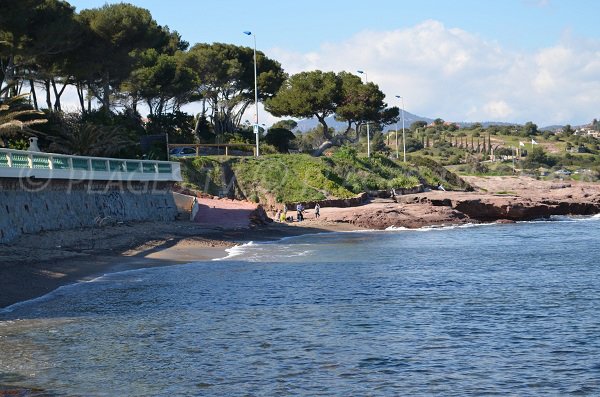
(403, 139)
(368, 133)
(256, 129)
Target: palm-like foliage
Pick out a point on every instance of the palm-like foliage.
(17, 116)
(90, 140)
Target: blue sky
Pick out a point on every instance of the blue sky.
(461, 60)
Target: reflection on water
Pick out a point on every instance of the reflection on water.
(503, 309)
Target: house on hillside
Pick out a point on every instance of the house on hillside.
(587, 130)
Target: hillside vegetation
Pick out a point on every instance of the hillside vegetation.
(301, 177)
(508, 149)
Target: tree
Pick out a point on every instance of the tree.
(568, 130)
(287, 124)
(537, 157)
(163, 81)
(529, 129)
(413, 145)
(179, 126)
(308, 94)
(378, 143)
(116, 31)
(309, 140)
(226, 81)
(363, 103)
(281, 138)
(418, 124)
(321, 94)
(34, 37)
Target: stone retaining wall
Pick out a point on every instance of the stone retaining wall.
(35, 205)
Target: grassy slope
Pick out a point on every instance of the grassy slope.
(300, 177)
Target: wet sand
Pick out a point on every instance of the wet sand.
(34, 265)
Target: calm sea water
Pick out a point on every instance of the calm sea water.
(483, 310)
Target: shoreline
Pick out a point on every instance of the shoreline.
(31, 273)
(35, 265)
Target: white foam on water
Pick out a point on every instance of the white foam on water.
(440, 227)
(235, 251)
(396, 228)
(565, 218)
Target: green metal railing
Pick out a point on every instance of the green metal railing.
(18, 162)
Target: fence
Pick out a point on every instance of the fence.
(218, 146)
(26, 164)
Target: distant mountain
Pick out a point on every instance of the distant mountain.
(484, 124)
(305, 125)
(553, 128)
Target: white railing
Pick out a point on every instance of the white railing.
(26, 164)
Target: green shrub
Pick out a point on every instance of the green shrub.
(403, 181)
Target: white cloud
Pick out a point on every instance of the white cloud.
(459, 76)
(498, 110)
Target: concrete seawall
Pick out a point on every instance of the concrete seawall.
(33, 206)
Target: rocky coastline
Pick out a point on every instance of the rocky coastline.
(495, 199)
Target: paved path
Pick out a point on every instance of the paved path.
(224, 212)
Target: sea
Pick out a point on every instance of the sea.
(472, 310)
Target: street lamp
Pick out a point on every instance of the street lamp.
(256, 130)
(403, 138)
(368, 133)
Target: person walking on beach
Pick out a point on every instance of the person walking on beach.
(299, 212)
(278, 216)
(284, 214)
(317, 211)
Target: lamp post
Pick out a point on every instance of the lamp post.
(256, 129)
(403, 138)
(396, 134)
(368, 133)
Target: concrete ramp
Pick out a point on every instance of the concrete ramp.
(224, 213)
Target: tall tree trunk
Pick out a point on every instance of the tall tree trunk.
(324, 125)
(33, 94)
(106, 92)
(337, 140)
(58, 94)
(79, 88)
(8, 73)
(160, 107)
(150, 108)
(48, 98)
(89, 99)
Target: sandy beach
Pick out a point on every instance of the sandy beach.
(34, 265)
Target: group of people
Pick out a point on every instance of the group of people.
(281, 216)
